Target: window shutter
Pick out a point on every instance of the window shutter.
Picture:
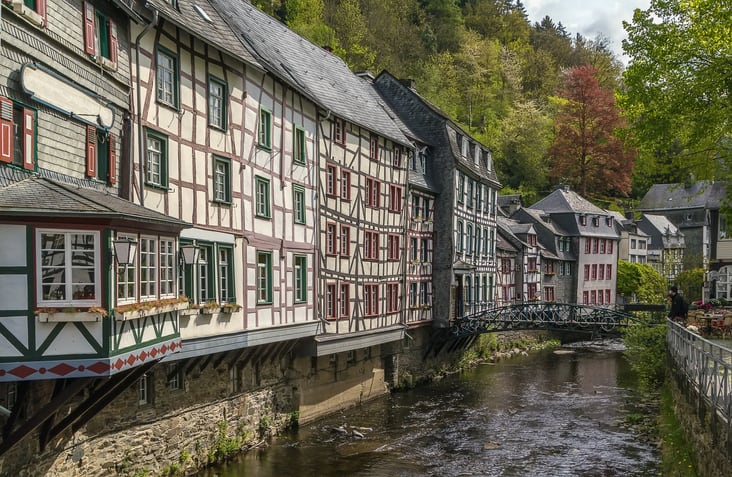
(41, 10)
(91, 151)
(112, 160)
(29, 151)
(113, 45)
(89, 37)
(6, 130)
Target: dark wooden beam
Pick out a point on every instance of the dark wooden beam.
(191, 364)
(206, 361)
(220, 359)
(43, 414)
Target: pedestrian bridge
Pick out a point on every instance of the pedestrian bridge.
(598, 320)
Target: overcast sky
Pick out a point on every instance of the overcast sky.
(588, 17)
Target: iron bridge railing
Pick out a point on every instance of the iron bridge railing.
(543, 315)
(705, 366)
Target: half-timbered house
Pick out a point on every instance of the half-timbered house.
(463, 263)
(68, 234)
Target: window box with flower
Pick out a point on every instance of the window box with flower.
(59, 315)
(230, 307)
(133, 311)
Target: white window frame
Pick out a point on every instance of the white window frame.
(97, 301)
(151, 293)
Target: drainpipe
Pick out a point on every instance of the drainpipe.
(141, 148)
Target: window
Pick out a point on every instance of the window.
(374, 147)
(330, 179)
(156, 165)
(413, 295)
(425, 249)
(532, 240)
(298, 204)
(17, 134)
(148, 268)
(345, 240)
(345, 185)
(416, 207)
(395, 198)
(371, 298)
(68, 268)
(587, 272)
(392, 247)
(595, 245)
(264, 278)
(166, 74)
(610, 246)
(175, 376)
(548, 293)
(261, 189)
(225, 269)
(217, 102)
(486, 241)
(145, 389)
(594, 271)
(100, 36)
(339, 131)
(583, 220)
(470, 193)
(585, 297)
(461, 189)
(299, 153)
(588, 245)
(371, 246)
(413, 252)
(550, 267)
(531, 265)
(564, 244)
(609, 272)
(602, 245)
(426, 208)
(222, 180)
(127, 277)
(301, 279)
(479, 197)
(593, 297)
(345, 300)
(424, 293)
(206, 264)
(595, 221)
(599, 297)
(167, 268)
(609, 221)
(601, 272)
(459, 237)
(392, 297)
(607, 296)
(330, 301)
(566, 269)
(330, 239)
(373, 193)
(468, 291)
(397, 157)
(469, 240)
(265, 128)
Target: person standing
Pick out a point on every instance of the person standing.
(679, 308)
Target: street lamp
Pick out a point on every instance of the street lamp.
(124, 251)
(189, 253)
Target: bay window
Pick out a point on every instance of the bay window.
(68, 267)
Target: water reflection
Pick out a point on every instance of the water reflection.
(547, 414)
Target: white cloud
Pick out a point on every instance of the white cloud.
(590, 18)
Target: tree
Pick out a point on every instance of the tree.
(678, 88)
(587, 151)
(641, 281)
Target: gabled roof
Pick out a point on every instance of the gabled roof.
(318, 74)
(32, 195)
(660, 223)
(215, 32)
(565, 200)
(696, 195)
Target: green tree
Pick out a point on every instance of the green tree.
(588, 152)
(691, 282)
(642, 282)
(678, 88)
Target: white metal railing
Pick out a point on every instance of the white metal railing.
(705, 365)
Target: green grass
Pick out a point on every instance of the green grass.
(677, 459)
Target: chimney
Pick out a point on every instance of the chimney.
(409, 83)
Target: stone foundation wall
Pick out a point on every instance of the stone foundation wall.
(709, 435)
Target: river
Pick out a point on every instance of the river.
(546, 414)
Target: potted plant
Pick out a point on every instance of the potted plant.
(230, 307)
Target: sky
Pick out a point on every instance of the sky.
(589, 17)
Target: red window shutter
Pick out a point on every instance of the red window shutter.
(29, 152)
(41, 10)
(6, 130)
(91, 151)
(113, 45)
(112, 161)
(89, 37)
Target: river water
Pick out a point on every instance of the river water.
(552, 413)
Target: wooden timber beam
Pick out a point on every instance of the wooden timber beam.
(43, 414)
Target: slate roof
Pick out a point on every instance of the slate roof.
(33, 195)
(661, 223)
(216, 32)
(318, 74)
(698, 195)
(565, 200)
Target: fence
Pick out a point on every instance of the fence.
(705, 367)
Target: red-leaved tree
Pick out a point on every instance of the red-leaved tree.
(587, 152)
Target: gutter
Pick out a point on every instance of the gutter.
(141, 143)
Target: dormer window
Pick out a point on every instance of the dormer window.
(532, 240)
(595, 221)
(583, 220)
(609, 221)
